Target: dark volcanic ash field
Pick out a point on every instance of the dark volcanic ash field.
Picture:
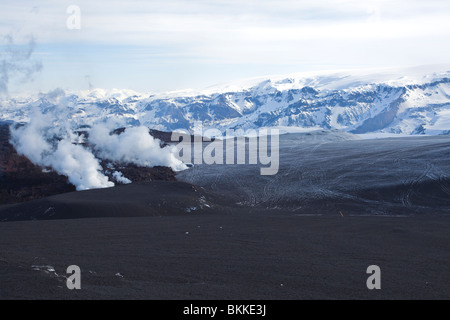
(337, 206)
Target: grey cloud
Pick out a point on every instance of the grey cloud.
(16, 62)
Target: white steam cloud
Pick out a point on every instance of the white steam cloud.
(48, 140)
(134, 145)
(50, 146)
(119, 177)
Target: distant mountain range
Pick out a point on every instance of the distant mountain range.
(411, 102)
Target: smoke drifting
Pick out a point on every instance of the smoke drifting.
(52, 146)
(50, 140)
(119, 177)
(134, 145)
(16, 62)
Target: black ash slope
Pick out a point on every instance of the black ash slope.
(134, 200)
(227, 256)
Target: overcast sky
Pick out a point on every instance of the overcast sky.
(166, 45)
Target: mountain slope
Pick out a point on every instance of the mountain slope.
(357, 103)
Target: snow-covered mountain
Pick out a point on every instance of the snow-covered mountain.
(412, 101)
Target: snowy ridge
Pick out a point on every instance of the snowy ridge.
(409, 101)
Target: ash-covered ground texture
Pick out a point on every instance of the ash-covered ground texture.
(333, 172)
(337, 206)
(22, 181)
(320, 173)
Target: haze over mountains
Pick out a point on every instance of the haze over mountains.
(410, 101)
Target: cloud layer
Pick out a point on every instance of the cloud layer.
(166, 44)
